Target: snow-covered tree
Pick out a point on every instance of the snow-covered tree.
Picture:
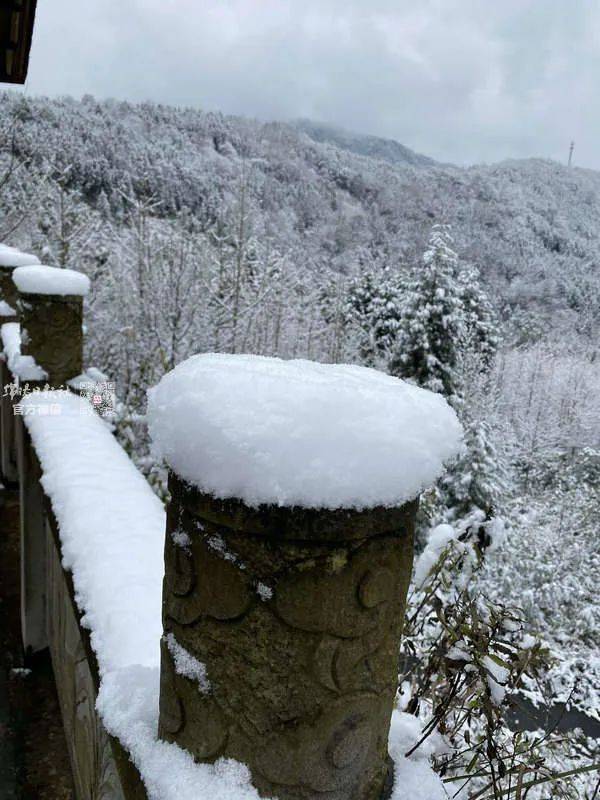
(478, 478)
(481, 320)
(448, 332)
(374, 308)
(432, 328)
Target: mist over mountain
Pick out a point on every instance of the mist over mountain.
(383, 149)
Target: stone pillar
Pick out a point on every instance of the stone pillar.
(51, 332)
(281, 639)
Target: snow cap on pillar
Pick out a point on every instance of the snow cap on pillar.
(300, 433)
(40, 279)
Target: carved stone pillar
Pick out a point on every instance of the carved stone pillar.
(281, 637)
(51, 332)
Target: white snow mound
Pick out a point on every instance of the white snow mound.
(300, 433)
(40, 279)
(6, 310)
(22, 367)
(11, 257)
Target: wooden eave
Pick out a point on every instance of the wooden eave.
(16, 32)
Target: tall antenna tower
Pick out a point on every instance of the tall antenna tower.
(571, 148)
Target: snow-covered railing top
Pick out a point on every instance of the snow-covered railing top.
(40, 279)
(6, 310)
(10, 333)
(299, 433)
(10, 258)
(111, 527)
(22, 367)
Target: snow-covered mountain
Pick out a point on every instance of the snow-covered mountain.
(328, 200)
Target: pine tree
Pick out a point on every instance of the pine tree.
(478, 478)
(103, 206)
(448, 326)
(374, 307)
(433, 326)
(481, 322)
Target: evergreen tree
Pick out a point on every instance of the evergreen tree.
(447, 327)
(481, 322)
(374, 307)
(478, 478)
(581, 288)
(433, 325)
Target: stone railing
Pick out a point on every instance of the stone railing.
(288, 619)
(52, 340)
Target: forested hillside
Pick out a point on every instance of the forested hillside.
(529, 226)
(202, 232)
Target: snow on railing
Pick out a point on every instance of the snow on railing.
(287, 559)
(111, 526)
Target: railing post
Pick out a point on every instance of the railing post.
(33, 544)
(52, 333)
(10, 259)
(281, 639)
(50, 306)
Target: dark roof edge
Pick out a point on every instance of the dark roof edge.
(21, 47)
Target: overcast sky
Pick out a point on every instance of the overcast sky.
(460, 80)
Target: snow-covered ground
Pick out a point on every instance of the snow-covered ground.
(549, 565)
